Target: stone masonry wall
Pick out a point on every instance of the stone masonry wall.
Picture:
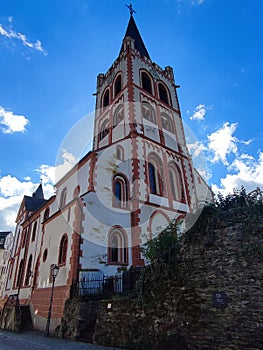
(210, 297)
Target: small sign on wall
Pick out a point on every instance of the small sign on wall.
(220, 300)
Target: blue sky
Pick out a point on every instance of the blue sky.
(51, 52)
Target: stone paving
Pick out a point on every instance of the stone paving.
(38, 341)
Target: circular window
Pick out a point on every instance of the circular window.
(45, 255)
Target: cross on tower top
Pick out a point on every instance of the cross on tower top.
(131, 9)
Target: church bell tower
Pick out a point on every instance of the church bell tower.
(138, 132)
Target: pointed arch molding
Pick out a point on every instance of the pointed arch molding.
(118, 83)
(146, 81)
(176, 182)
(157, 218)
(121, 191)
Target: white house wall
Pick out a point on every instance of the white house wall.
(54, 230)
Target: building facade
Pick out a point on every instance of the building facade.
(6, 242)
(138, 177)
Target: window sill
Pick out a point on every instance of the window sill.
(158, 199)
(118, 263)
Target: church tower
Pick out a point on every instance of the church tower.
(139, 136)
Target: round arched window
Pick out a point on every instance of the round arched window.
(45, 255)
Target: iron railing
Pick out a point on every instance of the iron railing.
(103, 287)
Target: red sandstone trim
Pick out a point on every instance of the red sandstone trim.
(91, 180)
(76, 240)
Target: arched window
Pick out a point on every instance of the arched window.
(46, 214)
(146, 82)
(106, 98)
(117, 85)
(24, 236)
(120, 190)
(45, 255)
(34, 231)
(114, 249)
(119, 153)
(176, 183)
(20, 273)
(148, 113)
(118, 247)
(76, 192)
(167, 122)
(155, 176)
(104, 129)
(28, 271)
(63, 198)
(118, 116)
(63, 248)
(163, 94)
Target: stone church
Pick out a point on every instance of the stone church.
(138, 177)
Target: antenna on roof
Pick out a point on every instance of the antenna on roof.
(131, 9)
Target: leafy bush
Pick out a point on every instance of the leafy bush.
(163, 247)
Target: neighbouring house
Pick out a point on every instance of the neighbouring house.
(6, 242)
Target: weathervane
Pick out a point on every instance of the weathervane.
(131, 9)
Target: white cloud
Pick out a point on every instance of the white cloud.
(205, 173)
(52, 174)
(10, 186)
(245, 171)
(248, 142)
(196, 148)
(13, 35)
(222, 143)
(68, 157)
(12, 191)
(197, 2)
(199, 112)
(222, 146)
(191, 2)
(12, 122)
(47, 173)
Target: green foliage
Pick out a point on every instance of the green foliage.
(236, 208)
(164, 246)
(237, 198)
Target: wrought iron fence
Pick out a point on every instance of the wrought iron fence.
(103, 287)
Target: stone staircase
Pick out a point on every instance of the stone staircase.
(26, 319)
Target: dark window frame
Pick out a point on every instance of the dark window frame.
(63, 250)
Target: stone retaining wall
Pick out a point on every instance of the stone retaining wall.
(211, 298)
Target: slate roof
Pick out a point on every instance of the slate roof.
(36, 201)
(3, 234)
(133, 32)
(33, 204)
(38, 194)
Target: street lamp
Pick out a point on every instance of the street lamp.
(54, 273)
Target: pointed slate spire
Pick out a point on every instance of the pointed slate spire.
(38, 194)
(133, 32)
